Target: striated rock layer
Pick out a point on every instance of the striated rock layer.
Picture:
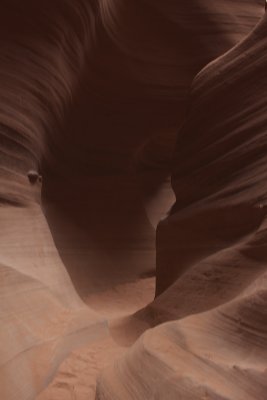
(92, 93)
(218, 355)
(218, 221)
(43, 51)
(211, 249)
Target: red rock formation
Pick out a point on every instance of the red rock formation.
(90, 91)
(218, 219)
(43, 48)
(218, 355)
(215, 248)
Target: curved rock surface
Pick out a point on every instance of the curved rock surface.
(218, 219)
(218, 355)
(92, 94)
(212, 248)
(43, 50)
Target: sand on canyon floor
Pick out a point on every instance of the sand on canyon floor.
(76, 377)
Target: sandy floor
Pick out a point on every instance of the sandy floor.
(76, 378)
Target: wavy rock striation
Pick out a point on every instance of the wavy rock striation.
(211, 249)
(216, 229)
(218, 355)
(43, 52)
(90, 91)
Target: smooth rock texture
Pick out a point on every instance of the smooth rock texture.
(220, 354)
(218, 221)
(43, 47)
(93, 95)
(212, 249)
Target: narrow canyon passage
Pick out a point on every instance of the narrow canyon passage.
(104, 228)
(109, 253)
(133, 200)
